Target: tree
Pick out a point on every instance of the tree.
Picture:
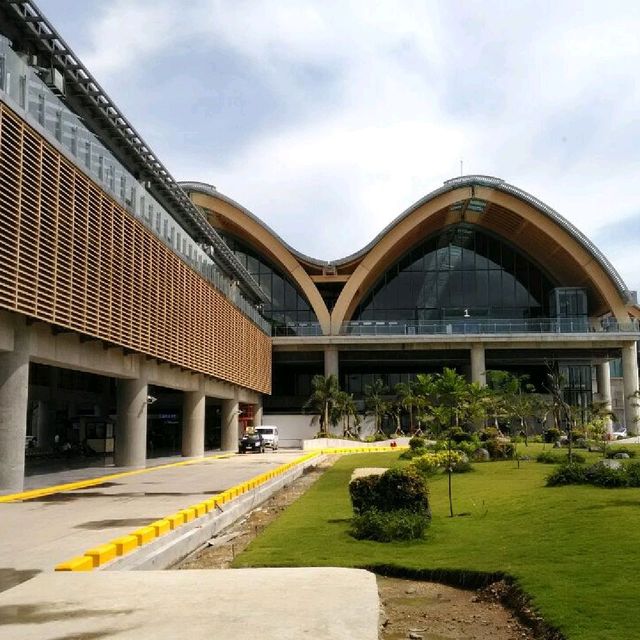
(375, 403)
(345, 409)
(599, 422)
(407, 399)
(562, 412)
(323, 399)
(451, 396)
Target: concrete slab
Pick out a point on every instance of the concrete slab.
(318, 603)
(363, 472)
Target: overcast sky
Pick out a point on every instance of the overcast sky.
(328, 118)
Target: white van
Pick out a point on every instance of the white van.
(269, 435)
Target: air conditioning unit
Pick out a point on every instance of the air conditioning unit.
(54, 79)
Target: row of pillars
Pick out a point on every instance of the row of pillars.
(479, 375)
(131, 424)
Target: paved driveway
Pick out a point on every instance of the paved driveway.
(36, 535)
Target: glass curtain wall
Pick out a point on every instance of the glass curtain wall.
(288, 309)
(460, 272)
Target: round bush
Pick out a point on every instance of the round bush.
(395, 489)
(387, 526)
(567, 474)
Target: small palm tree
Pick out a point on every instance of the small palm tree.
(407, 399)
(346, 409)
(375, 403)
(323, 399)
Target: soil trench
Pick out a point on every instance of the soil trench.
(409, 608)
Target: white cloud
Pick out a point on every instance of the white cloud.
(543, 95)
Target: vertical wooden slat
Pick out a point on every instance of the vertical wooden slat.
(71, 255)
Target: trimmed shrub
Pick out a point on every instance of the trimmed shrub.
(602, 475)
(394, 489)
(499, 450)
(548, 457)
(430, 463)
(387, 526)
(363, 492)
(489, 433)
(633, 474)
(416, 442)
(567, 474)
(611, 451)
(552, 434)
(464, 466)
(410, 454)
(459, 435)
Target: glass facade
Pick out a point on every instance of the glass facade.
(287, 305)
(460, 272)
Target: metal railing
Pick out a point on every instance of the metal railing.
(483, 326)
(470, 326)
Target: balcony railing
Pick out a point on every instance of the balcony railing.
(466, 326)
(486, 326)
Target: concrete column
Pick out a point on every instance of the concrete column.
(478, 368)
(131, 424)
(14, 396)
(603, 374)
(257, 414)
(630, 385)
(331, 362)
(230, 430)
(193, 413)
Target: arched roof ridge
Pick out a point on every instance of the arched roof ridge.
(449, 185)
(209, 189)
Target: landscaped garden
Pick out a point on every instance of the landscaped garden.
(572, 549)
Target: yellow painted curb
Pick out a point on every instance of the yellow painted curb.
(102, 554)
(125, 544)
(81, 563)
(175, 520)
(189, 514)
(161, 526)
(144, 534)
(120, 546)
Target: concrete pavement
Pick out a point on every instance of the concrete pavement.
(319, 603)
(38, 534)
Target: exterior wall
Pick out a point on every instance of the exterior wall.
(71, 256)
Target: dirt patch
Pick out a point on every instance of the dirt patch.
(432, 611)
(409, 608)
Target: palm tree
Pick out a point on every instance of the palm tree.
(376, 403)
(345, 407)
(407, 399)
(323, 399)
(452, 398)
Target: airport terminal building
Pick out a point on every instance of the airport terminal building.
(139, 315)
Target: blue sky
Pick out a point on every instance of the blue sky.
(328, 119)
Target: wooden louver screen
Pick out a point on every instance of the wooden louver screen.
(72, 256)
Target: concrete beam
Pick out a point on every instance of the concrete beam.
(478, 367)
(331, 362)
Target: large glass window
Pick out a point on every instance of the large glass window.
(460, 272)
(287, 305)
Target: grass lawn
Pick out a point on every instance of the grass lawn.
(573, 549)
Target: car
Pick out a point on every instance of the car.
(619, 434)
(270, 435)
(251, 442)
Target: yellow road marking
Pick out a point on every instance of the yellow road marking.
(92, 482)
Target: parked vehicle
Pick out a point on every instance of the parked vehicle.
(270, 435)
(619, 434)
(251, 442)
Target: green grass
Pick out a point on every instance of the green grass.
(574, 550)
